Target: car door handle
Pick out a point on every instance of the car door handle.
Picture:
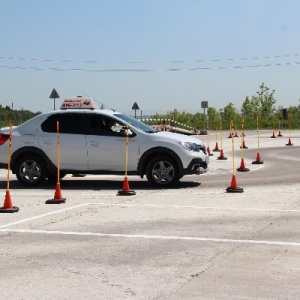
(94, 144)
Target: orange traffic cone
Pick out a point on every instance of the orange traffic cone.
(289, 143)
(273, 136)
(222, 155)
(216, 147)
(258, 160)
(8, 207)
(279, 133)
(242, 167)
(244, 145)
(126, 191)
(58, 199)
(234, 188)
(208, 151)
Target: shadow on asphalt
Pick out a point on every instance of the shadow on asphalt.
(96, 184)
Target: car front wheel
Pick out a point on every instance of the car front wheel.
(31, 171)
(162, 171)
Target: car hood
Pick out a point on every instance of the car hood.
(179, 137)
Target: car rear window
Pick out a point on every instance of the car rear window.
(68, 123)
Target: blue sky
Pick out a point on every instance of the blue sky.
(162, 54)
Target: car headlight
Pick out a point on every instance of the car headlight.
(193, 147)
(190, 146)
(202, 148)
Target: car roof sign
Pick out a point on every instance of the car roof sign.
(78, 102)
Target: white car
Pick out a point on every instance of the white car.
(88, 140)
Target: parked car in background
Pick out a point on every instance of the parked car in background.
(93, 141)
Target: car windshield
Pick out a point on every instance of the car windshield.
(136, 123)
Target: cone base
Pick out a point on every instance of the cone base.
(216, 150)
(221, 158)
(279, 134)
(257, 162)
(243, 169)
(211, 154)
(56, 201)
(289, 144)
(9, 210)
(235, 190)
(126, 193)
(244, 147)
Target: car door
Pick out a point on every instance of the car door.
(71, 140)
(107, 147)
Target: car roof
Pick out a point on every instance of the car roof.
(85, 111)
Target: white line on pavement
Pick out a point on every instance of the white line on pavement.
(43, 215)
(146, 205)
(160, 237)
(195, 207)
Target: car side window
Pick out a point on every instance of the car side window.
(68, 123)
(102, 125)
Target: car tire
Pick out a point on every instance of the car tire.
(162, 171)
(31, 170)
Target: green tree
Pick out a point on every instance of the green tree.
(248, 108)
(261, 105)
(229, 113)
(213, 117)
(266, 101)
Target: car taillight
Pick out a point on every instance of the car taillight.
(3, 138)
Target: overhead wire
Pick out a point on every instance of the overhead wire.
(147, 70)
(150, 62)
(150, 69)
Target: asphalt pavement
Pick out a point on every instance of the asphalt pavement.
(192, 241)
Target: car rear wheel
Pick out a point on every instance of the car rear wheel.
(162, 171)
(31, 171)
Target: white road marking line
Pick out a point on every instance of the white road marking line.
(160, 237)
(195, 207)
(43, 215)
(146, 205)
(140, 205)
